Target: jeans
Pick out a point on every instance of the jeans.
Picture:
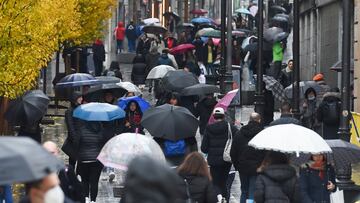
(220, 174)
(119, 46)
(247, 187)
(210, 69)
(131, 45)
(90, 175)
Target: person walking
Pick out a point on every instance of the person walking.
(164, 58)
(198, 43)
(131, 36)
(286, 74)
(320, 80)
(120, 36)
(213, 144)
(114, 70)
(143, 45)
(133, 118)
(89, 168)
(269, 106)
(138, 72)
(277, 181)
(247, 159)
(197, 184)
(278, 55)
(286, 116)
(308, 114)
(203, 110)
(99, 56)
(209, 56)
(151, 59)
(317, 180)
(329, 114)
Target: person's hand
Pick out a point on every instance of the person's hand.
(305, 105)
(260, 169)
(330, 186)
(127, 124)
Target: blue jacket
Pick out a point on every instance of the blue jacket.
(130, 32)
(313, 188)
(6, 194)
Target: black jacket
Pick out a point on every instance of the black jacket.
(91, 140)
(269, 107)
(151, 61)
(99, 52)
(246, 159)
(203, 110)
(330, 118)
(198, 43)
(215, 138)
(285, 119)
(201, 189)
(71, 144)
(277, 184)
(138, 73)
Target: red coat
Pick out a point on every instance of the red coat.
(120, 31)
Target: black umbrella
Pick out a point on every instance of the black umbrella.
(108, 79)
(178, 80)
(154, 29)
(186, 26)
(96, 94)
(206, 25)
(283, 15)
(280, 19)
(200, 89)
(170, 122)
(280, 36)
(343, 154)
(24, 160)
(270, 33)
(251, 47)
(173, 14)
(76, 80)
(28, 109)
(278, 9)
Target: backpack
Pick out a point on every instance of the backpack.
(331, 113)
(174, 148)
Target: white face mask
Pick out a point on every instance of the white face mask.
(311, 97)
(54, 195)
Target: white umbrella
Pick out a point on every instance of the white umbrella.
(130, 87)
(159, 71)
(253, 10)
(290, 138)
(121, 149)
(149, 21)
(246, 41)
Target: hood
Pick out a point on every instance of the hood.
(148, 180)
(332, 94)
(98, 42)
(251, 129)
(217, 128)
(120, 24)
(280, 173)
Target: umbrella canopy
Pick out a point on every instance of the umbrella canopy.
(173, 14)
(130, 87)
(206, 25)
(210, 32)
(178, 80)
(201, 20)
(143, 104)
(96, 94)
(182, 48)
(186, 26)
(76, 80)
(170, 122)
(280, 19)
(247, 41)
(304, 85)
(237, 33)
(154, 29)
(28, 109)
(159, 71)
(224, 102)
(200, 89)
(275, 87)
(108, 79)
(253, 10)
(149, 21)
(343, 154)
(270, 33)
(290, 138)
(278, 9)
(199, 11)
(120, 150)
(98, 112)
(24, 160)
(243, 11)
(280, 37)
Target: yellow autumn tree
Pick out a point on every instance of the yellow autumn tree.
(30, 31)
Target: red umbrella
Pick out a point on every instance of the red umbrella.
(182, 48)
(199, 11)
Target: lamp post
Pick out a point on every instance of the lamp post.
(223, 54)
(228, 74)
(296, 61)
(259, 96)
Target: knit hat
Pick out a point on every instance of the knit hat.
(318, 77)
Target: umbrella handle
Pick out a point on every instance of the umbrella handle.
(136, 130)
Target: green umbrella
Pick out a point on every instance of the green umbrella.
(210, 32)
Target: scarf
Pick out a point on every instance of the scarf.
(320, 166)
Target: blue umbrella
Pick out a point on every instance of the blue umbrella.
(143, 104)
(243, 11)
(98, 112)
(76, 80)
(201, 20)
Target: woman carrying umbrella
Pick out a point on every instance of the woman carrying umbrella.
(133, 118)
(308, 117)
(317, 180)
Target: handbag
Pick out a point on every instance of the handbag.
(226, 154)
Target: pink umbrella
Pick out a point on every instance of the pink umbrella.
(224, 103)
(216, 41)
(182, 48)
(199, 11)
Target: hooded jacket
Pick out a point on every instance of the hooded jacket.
(277, 184)
(204, 109)
(91, 140)
(120, 31)
(246, 159)
(215, 138)
(165, 60)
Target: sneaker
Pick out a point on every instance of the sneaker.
(111, 176)
(87, 200)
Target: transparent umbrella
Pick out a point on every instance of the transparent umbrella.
(121, 149)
